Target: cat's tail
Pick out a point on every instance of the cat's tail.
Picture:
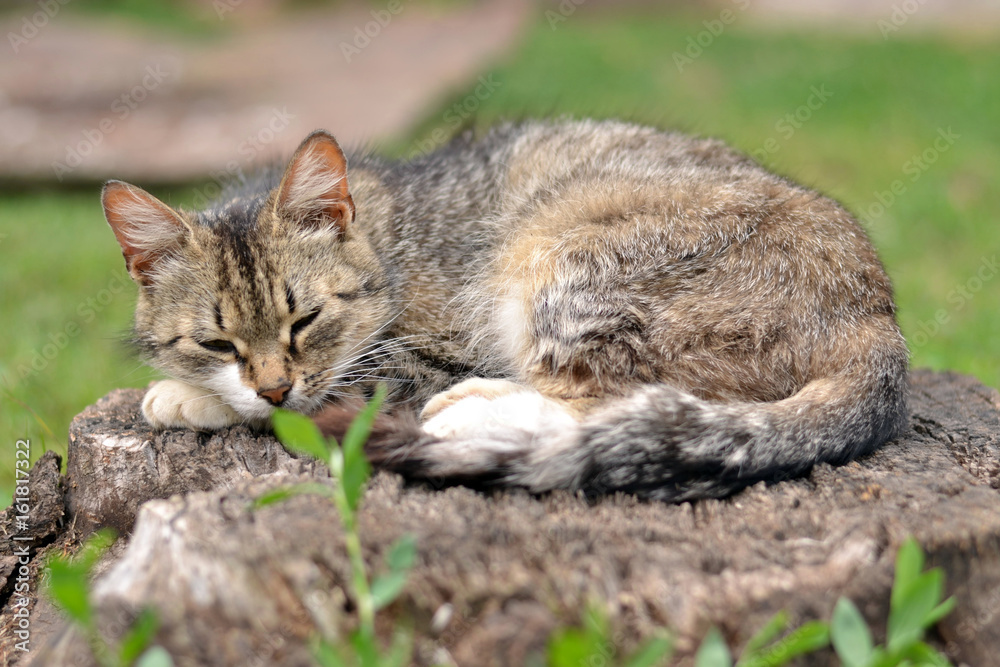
(659, 442)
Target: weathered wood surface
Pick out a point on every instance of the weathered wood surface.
(237, 586)
(22, 550)
(117, 462)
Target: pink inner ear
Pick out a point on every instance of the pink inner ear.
(314, 189)
(144, 226)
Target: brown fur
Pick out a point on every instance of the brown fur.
(587, 261)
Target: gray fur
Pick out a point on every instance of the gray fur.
(707, 323)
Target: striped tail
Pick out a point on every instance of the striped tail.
(659, 443)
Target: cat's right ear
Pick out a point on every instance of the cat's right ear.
(313, 191)
(146, 228)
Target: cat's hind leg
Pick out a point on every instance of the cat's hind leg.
(508, 414)
(574, 322)
(483, 387)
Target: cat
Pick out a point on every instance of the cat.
(573, 304)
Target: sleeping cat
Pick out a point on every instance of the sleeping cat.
(588, 305)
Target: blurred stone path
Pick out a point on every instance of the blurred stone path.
(82, 101)
(881, 17)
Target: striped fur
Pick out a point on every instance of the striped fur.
(630, 309)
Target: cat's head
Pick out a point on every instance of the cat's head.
(266, 299)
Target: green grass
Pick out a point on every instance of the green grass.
(67, 303)
(889, 99)
(177, 19)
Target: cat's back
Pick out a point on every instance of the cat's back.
(717, 261)
(545, 154)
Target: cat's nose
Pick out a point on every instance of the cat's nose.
(275, 395)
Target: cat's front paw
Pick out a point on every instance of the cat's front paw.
(176, 404)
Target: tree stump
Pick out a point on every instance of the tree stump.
(497, 572)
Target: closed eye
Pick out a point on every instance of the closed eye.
(218, 345)
(302, 323)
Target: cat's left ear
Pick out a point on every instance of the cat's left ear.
(146, 228)
(313, 191)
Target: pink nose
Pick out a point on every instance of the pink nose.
(275, 396)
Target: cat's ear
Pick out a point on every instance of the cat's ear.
(146, 228)
(313, 191)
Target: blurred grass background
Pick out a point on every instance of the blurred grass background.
(66, 303)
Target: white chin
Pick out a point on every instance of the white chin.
(245, 401)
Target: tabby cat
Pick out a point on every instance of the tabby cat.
(578, 304)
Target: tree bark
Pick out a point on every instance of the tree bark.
(497, 572)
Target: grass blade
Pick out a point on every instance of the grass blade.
(357, 470)
(67, 585)
(361, 426)
(916, 604)
(156, 656)
(713, 651)
(138, 637)
(852, 640)
(775, 626)
(909, 563)
(327, 655)
(299, 433)
(656, 651)
(386, 588)
(283, 493)
(809, 637)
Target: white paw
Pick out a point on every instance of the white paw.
(176, 404)
(482, 387)
(507, 416)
